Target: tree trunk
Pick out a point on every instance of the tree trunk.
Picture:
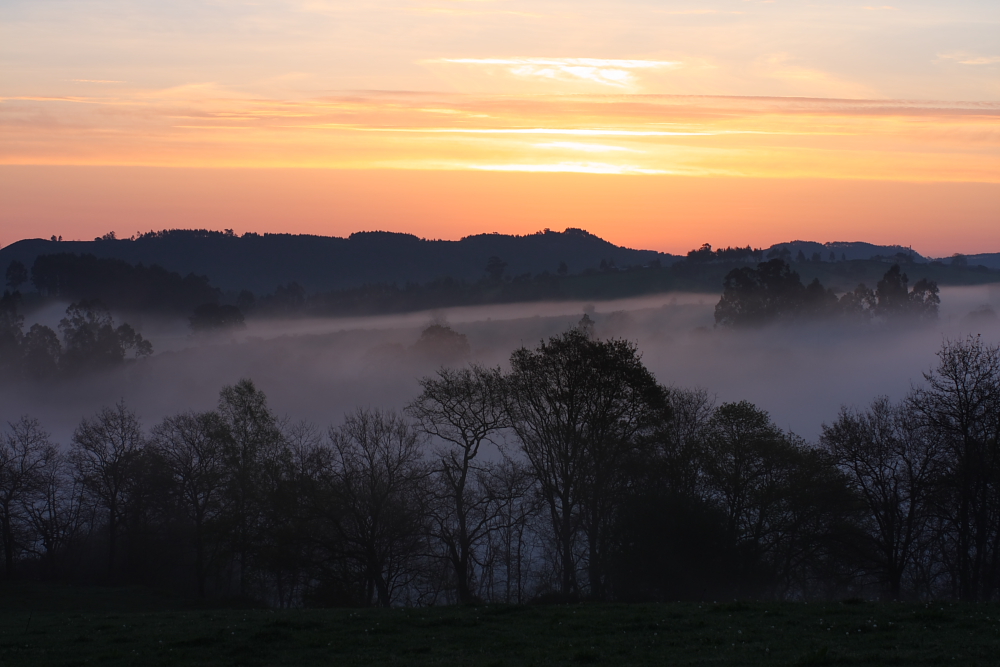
(8, 544)
(112, 540)
(199, 549)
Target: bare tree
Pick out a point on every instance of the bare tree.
(378, 476)
(25, 455)
(193, 448)
(57, 513)
(892, 464)
(104, 453)
(514, 506)
(464, 409)
(253, 440)
(961, 407)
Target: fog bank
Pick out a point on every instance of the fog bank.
(318, 369)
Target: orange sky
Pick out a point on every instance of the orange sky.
(659, 125)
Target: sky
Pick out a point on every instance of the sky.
(659, 125)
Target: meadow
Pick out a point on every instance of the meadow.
(59, 625)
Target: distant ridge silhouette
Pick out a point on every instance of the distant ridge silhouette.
(260, 262)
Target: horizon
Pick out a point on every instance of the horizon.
(139, 234)
(656, 125)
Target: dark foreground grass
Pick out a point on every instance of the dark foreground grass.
(59, 626)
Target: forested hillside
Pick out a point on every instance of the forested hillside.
(320, 263)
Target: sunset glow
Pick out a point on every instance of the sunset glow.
(661, 91)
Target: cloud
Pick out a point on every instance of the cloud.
(969, 59)
(607, 72)
(574, 167)
(589, 148)
(574, 131)
(209, 126)
(782, 66)
(695, 11)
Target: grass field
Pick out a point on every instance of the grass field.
(62, 626)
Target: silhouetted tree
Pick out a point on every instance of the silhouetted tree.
(11, 335)
(105, 454)
(757, 296)
(895, 301)
(252, 441)
(94, 342)
(960, 406)
(578, 406)
(118, 283)
(859, 304)
(465, 410)
(515, 506)
(378, 476)
(57, 514)
(442, 344)
(41, 352)
(779, 498)
(193, 448)
(25, 455)
(16, 275)
(892, 463)
(495, 268)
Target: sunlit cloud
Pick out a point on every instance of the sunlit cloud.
(759, 137)
(572, 167)
(587, 148)
(608, 72)
(578, 132)
(696, 11)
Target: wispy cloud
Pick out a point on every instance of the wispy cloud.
(605, 71)
(209, 126)
(574, 167)
(586, 148)
(970, 59)
(696, 11)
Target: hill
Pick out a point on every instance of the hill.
(990, 260)
(844, 250)
(322, 263)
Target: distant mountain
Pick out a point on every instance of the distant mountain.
(990, 260)
(848, 250)
(320, 263)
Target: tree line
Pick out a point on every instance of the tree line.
(574, 474)
(90, 341)
(774, 292)
(119, 284)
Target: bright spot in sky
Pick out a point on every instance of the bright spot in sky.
(590, 148)
(608, 72)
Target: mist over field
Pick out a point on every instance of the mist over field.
(319, 369)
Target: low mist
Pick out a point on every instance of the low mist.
(318, 369)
